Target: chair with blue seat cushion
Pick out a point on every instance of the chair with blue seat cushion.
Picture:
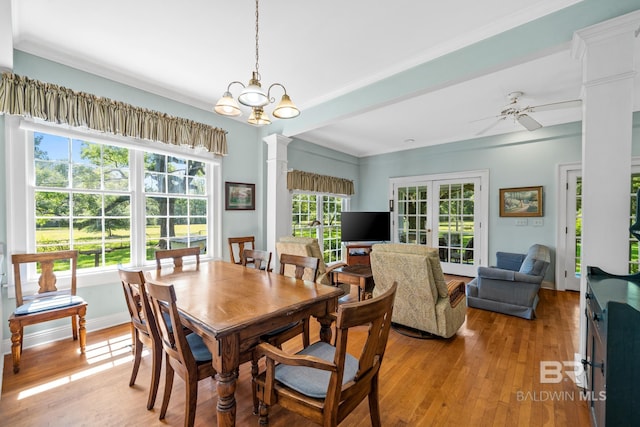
(294, 266)
(186, 355)
(51, 301)
(322, 382)
(512, 286)
(143, 328)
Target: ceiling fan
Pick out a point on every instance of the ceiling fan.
(521, 115)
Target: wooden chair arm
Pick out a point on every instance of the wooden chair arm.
(277, 355)
(456, 291)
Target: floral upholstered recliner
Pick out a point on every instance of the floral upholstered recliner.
(424, 300)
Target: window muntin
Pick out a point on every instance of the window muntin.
(85, 199)
(308, 209)
(175, 203)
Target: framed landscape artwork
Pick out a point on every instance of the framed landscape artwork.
(239, 196)
(521, 201)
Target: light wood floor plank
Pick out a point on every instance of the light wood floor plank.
(487, 375)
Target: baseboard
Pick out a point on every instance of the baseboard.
(64, 332)
(548, 285)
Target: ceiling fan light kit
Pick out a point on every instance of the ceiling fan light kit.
(254, 96)
(520, 114)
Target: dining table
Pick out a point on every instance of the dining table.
(231, 307)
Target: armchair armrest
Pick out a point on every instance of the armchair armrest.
(506, 275)
(455, 289)
(280, 356)
(496, 273)
(333, 265)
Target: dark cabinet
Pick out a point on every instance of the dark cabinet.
(613, 346)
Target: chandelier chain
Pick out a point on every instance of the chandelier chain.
(257, 54)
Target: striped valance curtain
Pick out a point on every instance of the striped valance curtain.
(306, 181)
(32, 98)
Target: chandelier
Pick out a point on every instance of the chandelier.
(253, 96)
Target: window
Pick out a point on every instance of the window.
(82, 199)
(114, 201)
(319, 216)
(175, 203)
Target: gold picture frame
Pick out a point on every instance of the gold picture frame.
(521, 201)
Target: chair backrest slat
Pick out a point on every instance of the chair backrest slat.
(162, 298)
(240, 242)
(300, 263)
(46, 260)
(258, 258)
(134, 286)
(177, 255)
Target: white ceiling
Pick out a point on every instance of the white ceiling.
(321, 51)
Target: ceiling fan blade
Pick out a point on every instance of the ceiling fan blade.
(485, 130)
(528, 122)
(555, 106)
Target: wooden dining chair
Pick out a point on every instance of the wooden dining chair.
(186, 355)
(144, 329)
(295, 265)
(49, 302)
(237, 245)
(259, 259)
(323, 382)
(177, 255)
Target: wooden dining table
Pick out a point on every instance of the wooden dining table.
(231, 307)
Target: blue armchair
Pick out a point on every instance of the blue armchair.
(512, 286)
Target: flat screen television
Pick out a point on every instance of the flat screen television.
(366, 226)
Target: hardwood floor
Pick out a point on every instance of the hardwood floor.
(487, 375)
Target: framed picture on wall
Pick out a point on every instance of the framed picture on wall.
(239, 196)
(521, 201)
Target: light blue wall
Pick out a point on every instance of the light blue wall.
(245, 162)
(313, 158)
(520, 159)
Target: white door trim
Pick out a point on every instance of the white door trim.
(481, 200)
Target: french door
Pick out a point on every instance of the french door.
(444, 212)
(568, 258)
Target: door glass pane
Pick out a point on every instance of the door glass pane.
(578, 242)
(456, 223)
(412, 214)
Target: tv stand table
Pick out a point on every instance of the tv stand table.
(358, 275)
(358, 254)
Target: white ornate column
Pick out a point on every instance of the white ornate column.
(6, 36)
(607, 54)
(278, 200)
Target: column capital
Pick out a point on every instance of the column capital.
(276, 146)
(628, 24)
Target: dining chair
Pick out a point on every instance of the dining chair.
(237, 247)
(257, 258)
(144, 329)
(281, 335)
(186, 355)
(49, 302)
(177, 255)
(323, 382)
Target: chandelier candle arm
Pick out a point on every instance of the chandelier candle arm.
(253, 96)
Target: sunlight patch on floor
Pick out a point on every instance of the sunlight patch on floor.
(114, 351)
